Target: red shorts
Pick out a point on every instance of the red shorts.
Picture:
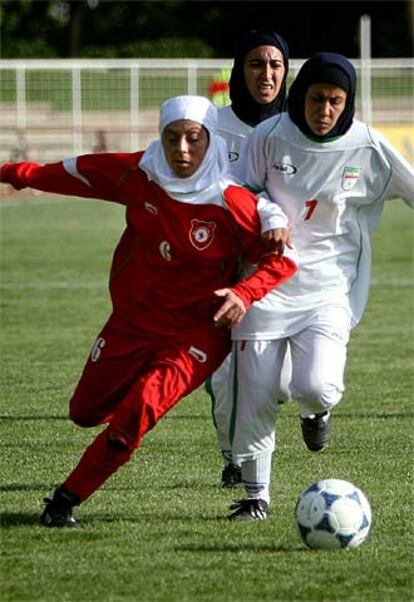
(132, 379)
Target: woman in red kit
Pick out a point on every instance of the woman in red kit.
(173, 282)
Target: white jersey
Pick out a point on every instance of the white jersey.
(236, 133)
(333, 194)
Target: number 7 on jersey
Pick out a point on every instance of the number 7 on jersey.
(311, 206)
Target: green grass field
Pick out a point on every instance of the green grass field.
(156, 532)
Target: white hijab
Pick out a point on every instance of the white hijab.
(209, 180)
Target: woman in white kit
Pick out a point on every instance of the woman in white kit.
(331, 175)
(257, 92)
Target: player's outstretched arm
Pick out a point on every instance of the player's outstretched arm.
(48, 178)
(89, 176)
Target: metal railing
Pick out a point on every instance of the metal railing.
(55, 108)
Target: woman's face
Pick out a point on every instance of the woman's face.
(264, 71)
(185, 144)
(324, 104)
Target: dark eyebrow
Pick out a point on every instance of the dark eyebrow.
(320, 94)
(262, 60)
(260, 63)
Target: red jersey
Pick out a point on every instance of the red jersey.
(172, 255)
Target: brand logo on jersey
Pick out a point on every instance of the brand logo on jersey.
(165, 250)
(97, 349)
(350, 177)
(202, 234)
(151, 208)
(285, 168)
(233, 156)
(200, 356)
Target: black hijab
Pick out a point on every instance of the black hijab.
(326, 68)
(242, 103)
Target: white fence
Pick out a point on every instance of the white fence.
(55, 108)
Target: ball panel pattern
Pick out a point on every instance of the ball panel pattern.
(333, 514)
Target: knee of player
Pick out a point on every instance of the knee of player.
(320, 393)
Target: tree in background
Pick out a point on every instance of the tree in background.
(189, 28)
(96, 28)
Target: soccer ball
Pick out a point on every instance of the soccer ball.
(332, 514)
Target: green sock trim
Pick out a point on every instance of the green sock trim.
(235, 397)
(209, 390)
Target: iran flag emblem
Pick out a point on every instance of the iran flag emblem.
(349, 177)
(201, 234)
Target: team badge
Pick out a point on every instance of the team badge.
(202, 234)
(350, 176)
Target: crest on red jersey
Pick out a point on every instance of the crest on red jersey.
(202, 234)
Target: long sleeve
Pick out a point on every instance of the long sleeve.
(92, 176)
(401, 182)
(48, 178)
(271, 215)
(272, 270)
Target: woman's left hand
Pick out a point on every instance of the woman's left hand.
(231, 312)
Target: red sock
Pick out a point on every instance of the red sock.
(97, 464)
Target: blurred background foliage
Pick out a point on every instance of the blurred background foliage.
(196, 28)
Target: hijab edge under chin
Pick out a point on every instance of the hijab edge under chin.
(202, 186)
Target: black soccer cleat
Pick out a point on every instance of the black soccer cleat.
(249, 509)
(316, 431)
(59, 508)
(231, 477)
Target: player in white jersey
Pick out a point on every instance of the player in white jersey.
(331, 175)
(257, 91)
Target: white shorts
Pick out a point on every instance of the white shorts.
(219, 391)
(245, 416)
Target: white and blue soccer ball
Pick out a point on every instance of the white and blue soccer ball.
(333, 514)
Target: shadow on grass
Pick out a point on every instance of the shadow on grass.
(38, 417)
(66, 417)
(186, 417)
(374, 415)
(27, 487)
(236, 548)
(195, 485)
(361, 415)
(18, 519)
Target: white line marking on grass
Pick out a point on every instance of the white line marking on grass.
(393, 282)
(10, 286)
(20, 204)
(38, 199)
(389, 282)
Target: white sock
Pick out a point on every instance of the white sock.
(256, 477)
